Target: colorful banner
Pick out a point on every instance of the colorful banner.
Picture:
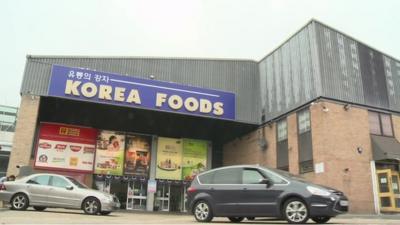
(110, 153)
(137, 155)
(169, 158)
(65, 147)
(194, 159)
(108, 88)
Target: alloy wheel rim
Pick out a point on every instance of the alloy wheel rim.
(202, 211)
(296, 211)
(91, 206)
(19, 202)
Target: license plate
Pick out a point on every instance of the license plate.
(344, 203)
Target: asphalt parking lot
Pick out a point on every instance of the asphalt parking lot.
(62, 216)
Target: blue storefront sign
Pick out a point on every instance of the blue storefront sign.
(116, 89)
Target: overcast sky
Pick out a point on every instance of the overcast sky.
(246, 29)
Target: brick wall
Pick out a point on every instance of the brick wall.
(246, 150)
(396, 126)
(336, 136)
(24, 133)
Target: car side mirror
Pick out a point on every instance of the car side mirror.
(266, 181)
(69, 187)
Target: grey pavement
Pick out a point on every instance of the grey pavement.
(63, 216)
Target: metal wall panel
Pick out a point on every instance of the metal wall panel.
(290, 76)
(354, 72)
(392, 72)
(237, 76)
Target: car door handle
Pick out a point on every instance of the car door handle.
(244, 189)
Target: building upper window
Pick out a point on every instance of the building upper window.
(304, 121)
(380, 124)
(282, 132)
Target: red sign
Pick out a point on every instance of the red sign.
(65, 147)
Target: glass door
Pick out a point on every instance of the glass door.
(136, 196)
(396, 191)
(389, 190)
(162, 197)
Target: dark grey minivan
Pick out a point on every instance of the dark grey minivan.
(249, 191)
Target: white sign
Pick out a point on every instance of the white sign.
(64, 155)
(151, 186)
(319, 167)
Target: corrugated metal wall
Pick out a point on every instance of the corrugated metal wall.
(240, 77)
(290, 76)
(354, 72)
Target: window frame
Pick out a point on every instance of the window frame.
(381, 133)
(298, 114)
(66, 180)
(252, 169)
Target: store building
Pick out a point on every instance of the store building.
(8, 119)
(321, 105)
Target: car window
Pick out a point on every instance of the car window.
(227, 176)
(274, 177)
(42, 180)
(206, 178)
(59, 182)
(251, 176)
(77, 183)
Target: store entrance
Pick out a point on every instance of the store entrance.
(137, 195)
(170, 197)
(389, 190)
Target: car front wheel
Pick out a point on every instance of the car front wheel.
(295, 211)
(20, 202)
(236, 219)
(202, 212)
(321, 219)
(91, 206)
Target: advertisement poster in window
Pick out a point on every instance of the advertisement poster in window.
(110, 153)
(194, 159)
(169, 158)
(137, 155)
(65, 147)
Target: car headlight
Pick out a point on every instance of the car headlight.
(318, 191)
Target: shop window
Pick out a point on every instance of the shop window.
(282, 132)
(282, 152)
(304, 121)
(305, 142)
(380, 124)
(307, 166)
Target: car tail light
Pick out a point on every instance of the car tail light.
(2, 187)
(191, 190)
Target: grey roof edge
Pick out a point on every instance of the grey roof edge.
(355, 39)
(287, 39)
(313, 20)
(28, 56)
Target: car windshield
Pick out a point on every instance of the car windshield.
(77, 183)
(286, 174)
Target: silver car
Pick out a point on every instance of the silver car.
(56, 191)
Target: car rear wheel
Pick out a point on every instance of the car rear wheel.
(295, 211)
(321, 219)
(20, 202)
(91, 206)
(39, 208)
(202, 212)
(236, 219)
(105, 213)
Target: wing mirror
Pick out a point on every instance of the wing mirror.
(69, 187)
(266, 181)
